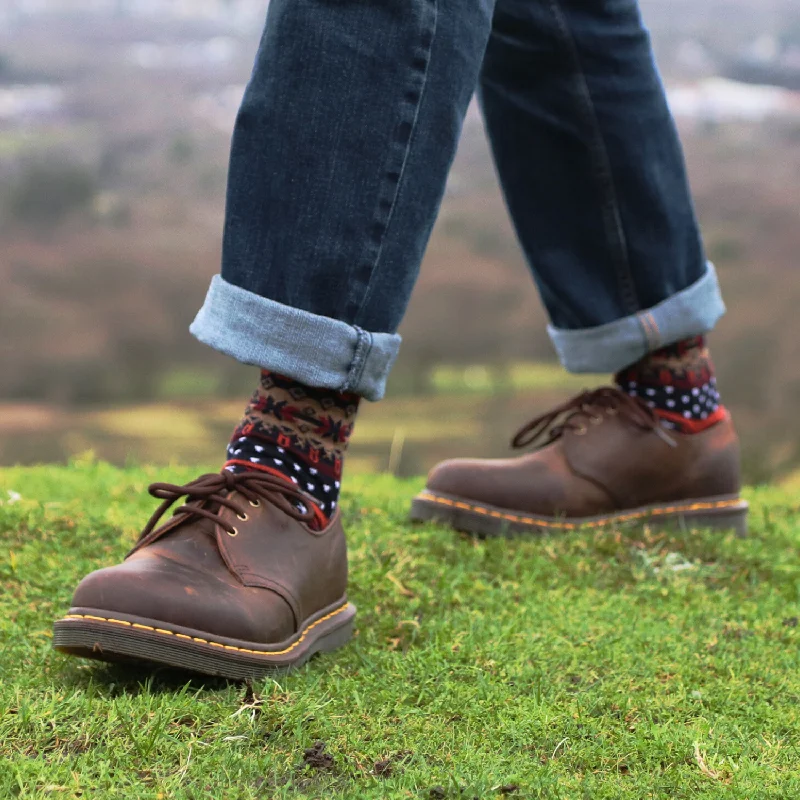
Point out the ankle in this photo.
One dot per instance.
(679, 384)
(299, 433)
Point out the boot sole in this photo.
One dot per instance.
(110, 636)
(728, 513)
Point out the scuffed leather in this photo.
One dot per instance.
(598, 468)
(259, 586)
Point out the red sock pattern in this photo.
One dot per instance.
(678, 383)
(299, 433)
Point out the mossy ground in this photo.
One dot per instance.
(611, 664)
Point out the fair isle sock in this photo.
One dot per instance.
(299, 433)
(678, 383)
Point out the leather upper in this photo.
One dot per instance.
(255, 579)
(603, 461)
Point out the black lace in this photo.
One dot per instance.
(589, 406)
(209, 494)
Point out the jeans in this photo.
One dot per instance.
(340, 156)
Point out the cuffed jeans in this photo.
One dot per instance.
(340, 156)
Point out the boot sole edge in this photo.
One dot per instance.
(718, 513)
(109, 636)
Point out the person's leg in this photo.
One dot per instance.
(339, 161)
(338, 165)
(593, 174)
(606, 218)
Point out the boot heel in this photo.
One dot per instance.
(335, 639)
(728, 520)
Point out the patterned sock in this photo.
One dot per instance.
(678, 383)
(299, 433)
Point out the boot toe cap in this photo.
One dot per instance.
(159, 590)
(455, 476)
(476, 480)
(529, 484)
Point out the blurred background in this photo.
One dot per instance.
(115, 118)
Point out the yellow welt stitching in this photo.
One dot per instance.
(289, 649)
(654, 512)
(100, 619)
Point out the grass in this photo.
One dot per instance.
(517, 376)
(612, 664)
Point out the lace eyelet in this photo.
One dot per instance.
(612, 412)
(232, 533)
(582, 431)
(255, 503)
(242, 517)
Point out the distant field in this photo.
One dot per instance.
(470, 411)
(606, 665)
(465, 415)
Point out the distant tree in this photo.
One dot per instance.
(182, 149)
(790, 33)
(47, 193)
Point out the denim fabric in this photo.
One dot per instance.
(340, 156)
(615, 345)
(318, 351)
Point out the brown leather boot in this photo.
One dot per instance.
(237, 583)
(604, 459)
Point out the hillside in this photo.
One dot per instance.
(612, 664)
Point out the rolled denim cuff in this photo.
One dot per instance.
(315, 350)
(612, 347)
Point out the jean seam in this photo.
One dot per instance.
(657, 337)
(313, 349)
(650, 329)
(360, 359)
(366, 274)
(612, 217)
(615, 345)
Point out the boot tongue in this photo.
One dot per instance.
(190, 525)
(191, 528)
